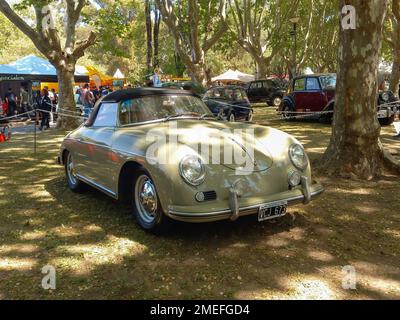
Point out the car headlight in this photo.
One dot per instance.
(385, 96)
(192, 170)
(298, 156)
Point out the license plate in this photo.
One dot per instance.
(272, 210)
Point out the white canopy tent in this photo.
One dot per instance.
(231, 75)
(385, 67)
(119, 75)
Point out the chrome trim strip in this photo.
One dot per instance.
(110, 148)
(97, 186)
(215, 214)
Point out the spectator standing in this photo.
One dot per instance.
(36, 104)
(156, 78)
(54, 101)
(11, 100)
(45, 105)
(24, 100)
(96, 95)
(4, 106)
(88, 100)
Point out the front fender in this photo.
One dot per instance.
(289, 101)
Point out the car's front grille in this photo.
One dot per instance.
(210, 195)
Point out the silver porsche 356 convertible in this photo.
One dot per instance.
(169, 157)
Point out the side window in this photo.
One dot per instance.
(106, 116)
(136, 110)
(228, 94)
(312, 84)
(209, 94)
(268, 84)
(300, 85)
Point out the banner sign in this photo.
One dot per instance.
(11, 78)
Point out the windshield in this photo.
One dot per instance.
(160, 107)
(328, 82)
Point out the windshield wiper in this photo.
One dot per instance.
(211, 115)
(173, 116)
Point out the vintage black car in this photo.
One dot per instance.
(316, 92)
(229, 102)
(270, 91)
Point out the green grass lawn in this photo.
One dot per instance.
(99, 252)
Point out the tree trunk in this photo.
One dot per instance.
(156, 32)
(66, 98)
(262, 68)
(197, 72)
(395, 78)
(354, 150)
(149, 37)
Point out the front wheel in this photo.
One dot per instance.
(287, 112)
(146, 204)
(231, 117)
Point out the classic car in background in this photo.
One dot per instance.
(270, 91)
(191, 86)
(110, 152)
(229, 103)
(316, 92)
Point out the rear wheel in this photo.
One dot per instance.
(327, 117)
(231, 117)
(74, 183)
(146, 204)
(386, 121)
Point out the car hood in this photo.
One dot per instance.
(237, 146)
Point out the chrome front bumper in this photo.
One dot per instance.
(304, 195)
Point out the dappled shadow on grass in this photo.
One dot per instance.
(99, 251)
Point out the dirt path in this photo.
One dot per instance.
(99, 252)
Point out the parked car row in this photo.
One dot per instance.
(316, 93)
(313, 93)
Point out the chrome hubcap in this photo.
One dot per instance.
(232, 118)
(71, 170)
(146, 199)
(277, 102)
(250, 116)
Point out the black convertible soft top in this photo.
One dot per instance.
(122, 95)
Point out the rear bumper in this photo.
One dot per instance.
(304, 195)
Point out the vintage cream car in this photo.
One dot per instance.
(164, 152)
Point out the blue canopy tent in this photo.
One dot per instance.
(27, 70)
(35, 68)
